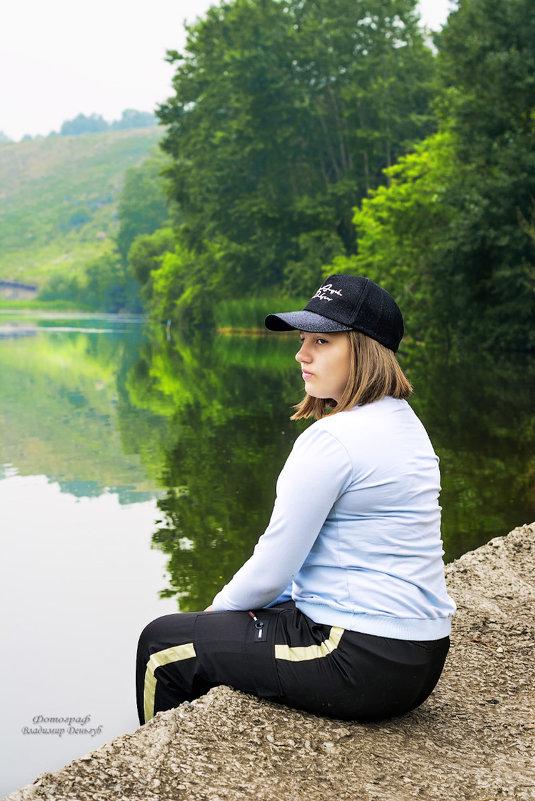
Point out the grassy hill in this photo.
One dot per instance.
(58, 199)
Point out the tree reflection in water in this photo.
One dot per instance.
(227, 401)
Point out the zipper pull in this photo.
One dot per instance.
(260, 626)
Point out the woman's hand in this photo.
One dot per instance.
(209, 609)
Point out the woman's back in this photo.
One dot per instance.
(378, 553)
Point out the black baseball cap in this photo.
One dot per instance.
(345, 303)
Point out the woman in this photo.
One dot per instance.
(342, 609)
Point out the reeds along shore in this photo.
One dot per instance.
(248, 314)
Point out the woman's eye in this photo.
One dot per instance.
(321, 341)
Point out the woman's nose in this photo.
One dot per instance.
(302, 355)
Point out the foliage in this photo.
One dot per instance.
(249, 313)
(400, 231)
(284, 115)
(112, 281)
(104, 284)
(14, 305)
(293, 142)
(170, 295)
(130, 118)
(95, 123)
(81, 124)
(145, 257)
(487, 67)
(452, 235)
(142, 207)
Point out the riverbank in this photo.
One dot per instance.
(472, 740)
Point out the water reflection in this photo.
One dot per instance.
(227, 438)
(58, 407)
(478, 408)
(97, 415)
(227, 401)
(204, 425)
(77, 512)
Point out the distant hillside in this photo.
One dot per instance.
(58, 199)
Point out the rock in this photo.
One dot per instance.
(473, 739)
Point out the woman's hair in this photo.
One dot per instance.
(374, 372)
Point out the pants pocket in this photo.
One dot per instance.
(260, 648)
(234, 649)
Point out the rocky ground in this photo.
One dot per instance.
(473, 740)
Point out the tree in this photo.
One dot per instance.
(401, 230)
(143, 206)
(487, 68)
(145, 257)
(103, 285)
(285, 113)
(81, 124)
(452, 234)
(107, 286)
(130, 118)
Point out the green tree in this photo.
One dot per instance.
(402, 236)
(145, 257)
(452, 235)
(142, 205)
(104, 285)
(107, 285)
(284, 115)
(81, 124)
(487, 69)
(130, 118)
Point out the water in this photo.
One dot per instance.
(79, 577)
(134, 467)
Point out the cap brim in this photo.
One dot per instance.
(303, 321)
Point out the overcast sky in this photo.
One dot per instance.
(60, 58)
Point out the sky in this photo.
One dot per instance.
(61, 58)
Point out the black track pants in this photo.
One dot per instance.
(286, 657)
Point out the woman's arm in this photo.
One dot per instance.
(314, 476)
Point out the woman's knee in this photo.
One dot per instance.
(165, 631)
(150, 634)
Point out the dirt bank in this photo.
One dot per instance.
(472, 740)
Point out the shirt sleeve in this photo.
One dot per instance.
(313, 478)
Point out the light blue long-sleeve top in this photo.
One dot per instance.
(354, 537)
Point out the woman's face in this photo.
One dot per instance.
(324, 360)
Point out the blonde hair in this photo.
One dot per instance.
(374, 373)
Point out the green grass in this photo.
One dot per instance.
(247, 314)
(58, 199)
(39, 305)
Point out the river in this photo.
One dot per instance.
(137, 470)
